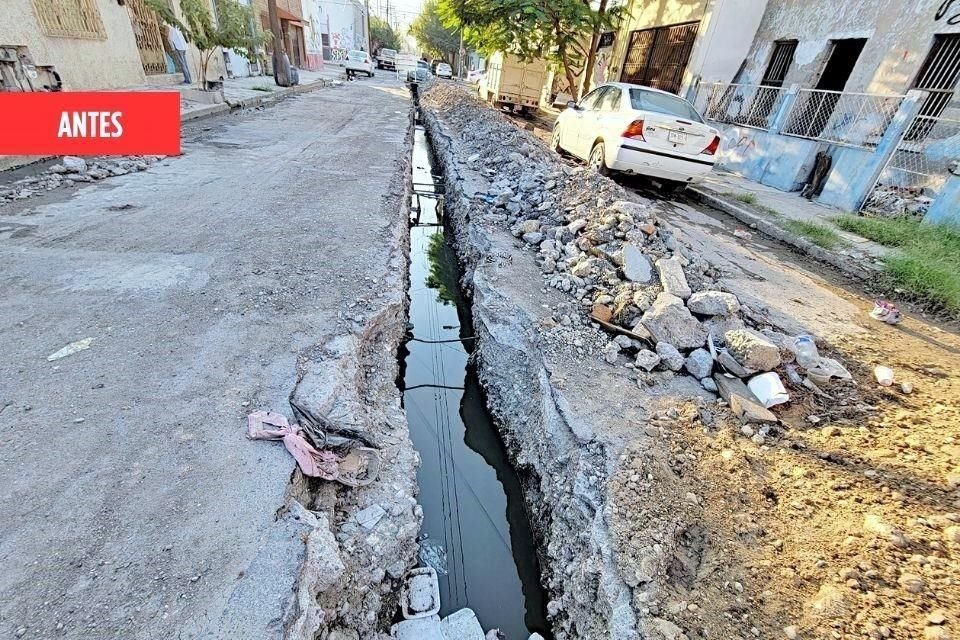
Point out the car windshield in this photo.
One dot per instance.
(388, 52)
(643, 100)
(359, 55)
(422, 64)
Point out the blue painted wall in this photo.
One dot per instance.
(851, 177)
(782, 162)
(946, 207)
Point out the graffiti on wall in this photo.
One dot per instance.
(950, 10)
(340, 40)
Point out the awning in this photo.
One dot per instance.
(286, 15)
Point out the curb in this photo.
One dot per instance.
(846, 264)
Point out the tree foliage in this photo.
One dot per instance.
(564, 31)
(232, 28)
(433, 36)
(383, 35)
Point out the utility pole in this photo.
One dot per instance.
(369, 50)
(281, 64)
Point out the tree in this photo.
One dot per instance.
(433, 37)
(564, 31)
(231, 29)
(383, 35)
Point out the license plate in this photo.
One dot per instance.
(676, 137)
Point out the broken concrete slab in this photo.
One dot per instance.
(669, 320)
(419, 629)
(636, 266)
(752, 349)
(713, 303)
(670, 356)
(699, 363)
(742, 401)
(730, 363)
(462, 625)
(672, 278)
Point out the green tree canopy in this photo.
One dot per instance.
(383, 35)
(564, 31)
(435, 38)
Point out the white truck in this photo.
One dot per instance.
(511, 82)
(387, 59)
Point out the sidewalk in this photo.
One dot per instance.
(792, 219)
(238, 93)
(250, 92)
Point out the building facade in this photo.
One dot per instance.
(336, 27)
(96, 44)
(673, 44)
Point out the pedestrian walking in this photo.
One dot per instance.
(179, 45)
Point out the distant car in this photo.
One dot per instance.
(420, 74)
(639, 130)
(359, 62)
(387, 59)
(475, 76)
(444, 71)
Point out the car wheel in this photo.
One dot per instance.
(555, 140)
(598, 159)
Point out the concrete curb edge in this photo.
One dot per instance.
(845, 264)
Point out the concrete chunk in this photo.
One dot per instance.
(752, 350)
(462, 625)
(742, 401)
(672, 277)
(713, 303)
(636, 266)
(699, 363)
(668, 320)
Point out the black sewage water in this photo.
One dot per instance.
(475, 528)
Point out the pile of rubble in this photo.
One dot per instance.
(659, 302)
(72, 170)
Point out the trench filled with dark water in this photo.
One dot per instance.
(475, 532)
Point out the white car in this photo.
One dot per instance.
(639, 130)
(359, 62)
(444, 71)
(475, 76)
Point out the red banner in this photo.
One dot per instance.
(80, 123)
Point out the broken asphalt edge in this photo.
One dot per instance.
(846, 264)
(562, 464)
(312, 577)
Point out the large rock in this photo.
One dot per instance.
(636, 267)
(75, 164)
(669, 320)
(669, 356)
(672, 277)
(699, 363)
(647, 359)
(752, 350)
(713, 303)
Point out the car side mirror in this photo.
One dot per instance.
(572, 105)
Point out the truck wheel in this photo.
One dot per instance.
(598, 159)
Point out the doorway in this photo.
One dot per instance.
(812, 117)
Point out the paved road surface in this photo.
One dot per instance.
(130, 503)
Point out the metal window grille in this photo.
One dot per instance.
(658, 57)
(856, 119)
(917, 170)
(70, 18)
(780, 61)
(938, 77)
(745, 104)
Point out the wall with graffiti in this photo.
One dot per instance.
(336, 27)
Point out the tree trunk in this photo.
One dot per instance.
(594, 41)
(571, 76)
(281, 67)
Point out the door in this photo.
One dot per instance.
(585, 131)
(609, 121)
(816, 113)
(658, 57)
(149, 35)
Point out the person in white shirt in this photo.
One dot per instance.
(179, 45)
